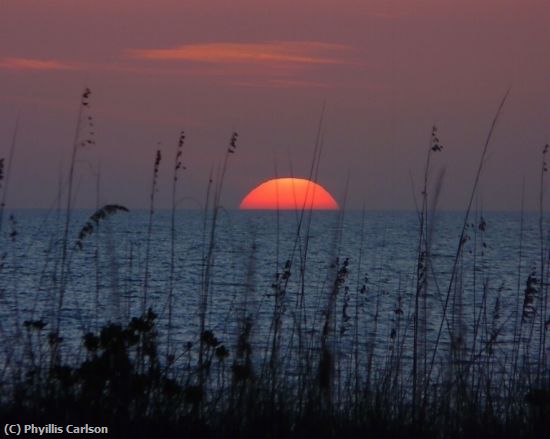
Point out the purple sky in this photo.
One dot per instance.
(387, 70)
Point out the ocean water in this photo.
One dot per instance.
(371, 302)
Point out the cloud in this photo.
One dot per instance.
(280, 83)
(34, 64)
(297, 52)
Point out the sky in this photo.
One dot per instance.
(385, 71)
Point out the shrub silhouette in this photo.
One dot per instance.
(120, 378)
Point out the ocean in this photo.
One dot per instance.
(349, 279)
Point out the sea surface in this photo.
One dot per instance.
(358, 269)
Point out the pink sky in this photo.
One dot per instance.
(386, 69)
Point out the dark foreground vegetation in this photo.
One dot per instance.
(123, 384)
(340, 376)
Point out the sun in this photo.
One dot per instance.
(288, 194)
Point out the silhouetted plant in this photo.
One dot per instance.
(95, 218)
(156, 165)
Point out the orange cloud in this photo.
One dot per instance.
(301, 52)
(34, 64)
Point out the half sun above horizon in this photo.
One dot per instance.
(288, 194)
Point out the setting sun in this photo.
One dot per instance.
(288, 194)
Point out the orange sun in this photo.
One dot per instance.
(288, 194)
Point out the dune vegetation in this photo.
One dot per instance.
(422, 377)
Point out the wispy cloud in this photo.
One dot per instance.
(298, 52)
(280, 83)
(34, 64)
(31, 64)
(270, 64)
